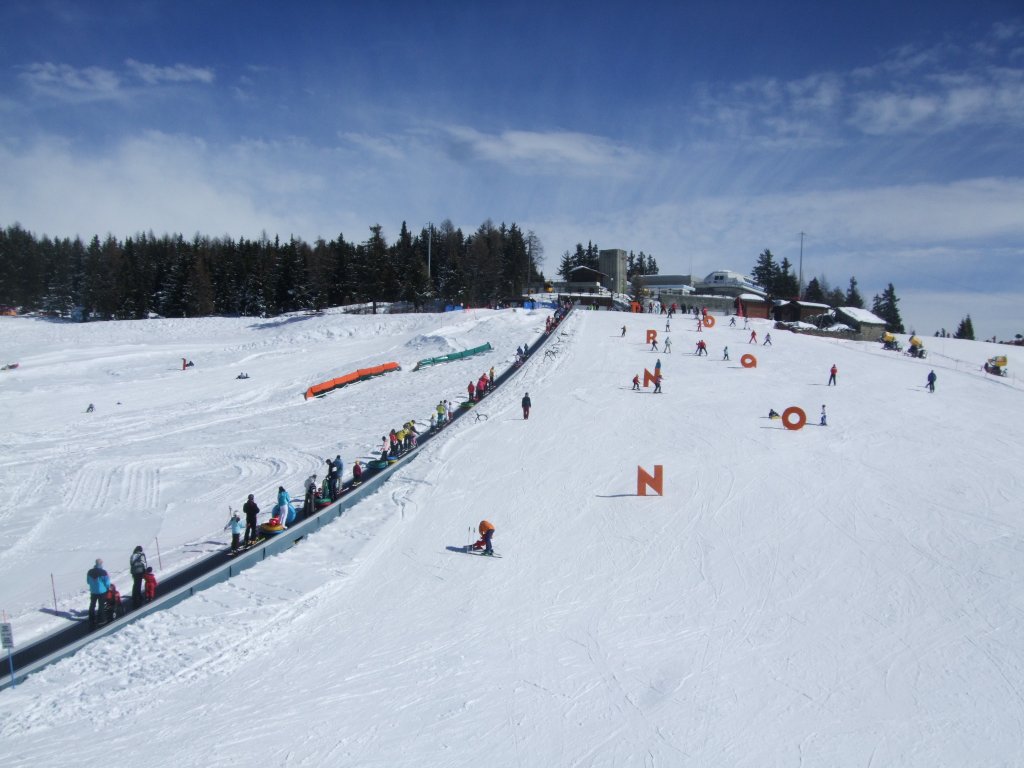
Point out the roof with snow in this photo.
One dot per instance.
(812, 304)
(861, 315)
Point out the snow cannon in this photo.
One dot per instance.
(996, 365)
(890, 342)
(916, 348)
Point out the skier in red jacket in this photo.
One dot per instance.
(150, 579)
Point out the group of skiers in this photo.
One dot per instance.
(398, 441)
(105, 600)
(483, 384)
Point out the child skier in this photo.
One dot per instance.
(150, 579)
(235, 524)
(636, 382)
(486, 534)
(114, 606)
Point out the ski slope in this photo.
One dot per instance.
(846, 595)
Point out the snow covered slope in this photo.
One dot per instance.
(840, 595)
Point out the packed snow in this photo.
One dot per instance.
(846, 595)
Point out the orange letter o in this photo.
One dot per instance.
(748, 361)
(709, 321)
(801, 417)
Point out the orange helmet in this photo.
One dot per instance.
(485, 526)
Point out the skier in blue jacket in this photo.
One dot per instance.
(99, 582)
(285, 511)
(236, 526)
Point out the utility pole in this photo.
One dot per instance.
(801, 278)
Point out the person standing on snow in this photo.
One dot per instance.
(623, 330)
(99, 582)
(931, 381)
(285, 510)
(767, 340)
(471, 390)
(725, 353)
(486, 534)
(251, 510)
(636, 382)
(832, 376)
(753, 337)
(150, 579)
(235, 524)
(526, 406)
(138, 565)
(824, 418)
(307, 503)
(668, 345)
(657, 383)
(654, 345)
(339, 470)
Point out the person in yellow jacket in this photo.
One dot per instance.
(486, 534)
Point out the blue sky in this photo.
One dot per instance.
(701, 133)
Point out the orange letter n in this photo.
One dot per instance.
(644, 480)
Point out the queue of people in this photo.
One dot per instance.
(104, 599)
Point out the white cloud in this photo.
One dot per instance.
(154, 181)
(914, 89)
(546, 151)
(179, 73)
(388, 147)
(72, 84)
(88, 84)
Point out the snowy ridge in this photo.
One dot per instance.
(841, 595)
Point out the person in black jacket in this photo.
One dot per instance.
(138, 565)
(251, 509)
(526, 405)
